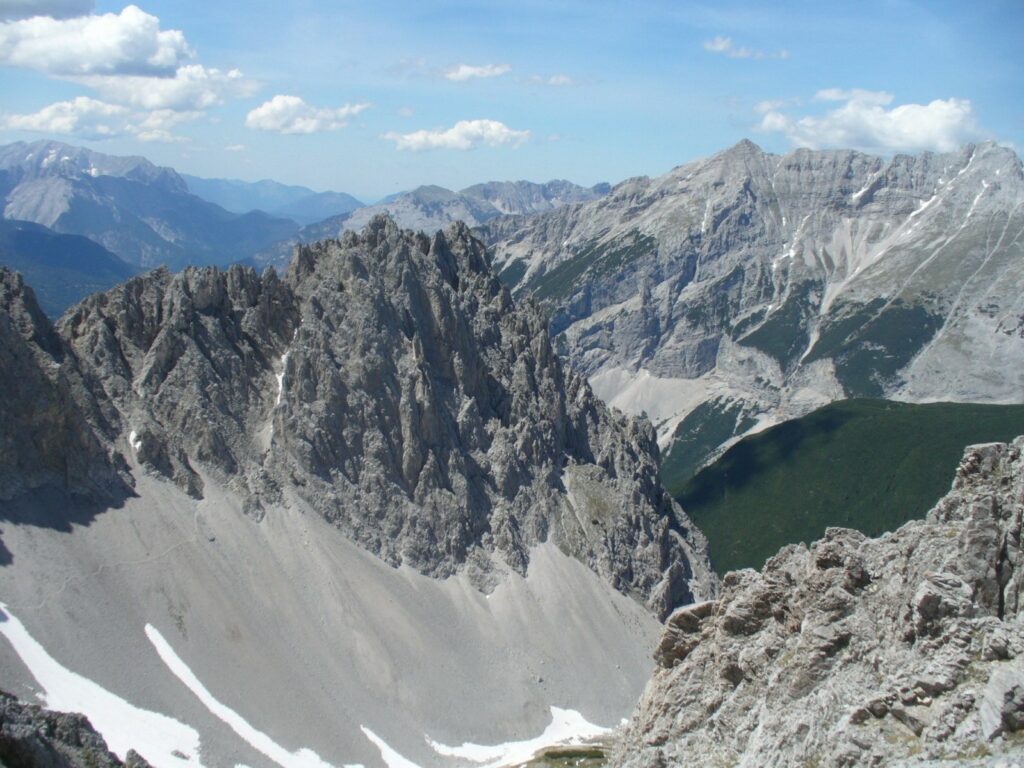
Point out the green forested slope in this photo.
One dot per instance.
(865, 464)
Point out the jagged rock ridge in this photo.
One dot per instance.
(854, 651)
(390, 382)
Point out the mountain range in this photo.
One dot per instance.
(740, 290)
(300, 204)
(430, 208)
(142, 213)
(380, 489)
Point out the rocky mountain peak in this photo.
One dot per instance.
(748, 286)
(19, 306)
(390, 382)
(744, 148)
(51, 425)
(484, 443)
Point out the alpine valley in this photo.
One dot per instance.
(368, 505)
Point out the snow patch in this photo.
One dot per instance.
(280, 377)
(860, 193)
(390, 757)
(154, 736)
(969, 161)
(303, 758)
(568, 728)
(135, 441)
(707, 216)
(921, 208)
(787, 255)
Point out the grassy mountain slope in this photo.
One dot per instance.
(865, 464)
(63, 269)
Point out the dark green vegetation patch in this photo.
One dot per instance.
(62, 269)
(591, 756)
(783, 335)
(874, 342)
(697, 436)
(513, 273)
(865, 464)
(595, 260)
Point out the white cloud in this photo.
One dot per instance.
(464, 135)
(865, 121)
(84, 117)
(192, 87)
(88, 118)
(553, 80)
(770, 105)
(464, 72)
(157, 125)
(58, 9)
(881, 98)
(126, 58)
(127, 43)
(724, 45)
(290, 114)
(406, 111)
(235, 148)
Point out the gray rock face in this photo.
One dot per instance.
(391, 382)
(518, 198)
(33, 737)
(51, 426)
(141, 212)
(898, 650)
(773, 285)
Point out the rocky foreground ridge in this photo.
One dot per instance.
(906, 649)
(388, 380)
(33, 737)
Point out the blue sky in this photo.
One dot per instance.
(373, 98)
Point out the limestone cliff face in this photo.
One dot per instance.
(856, 651)
(415, 387)
(390, 381)
(762, 286)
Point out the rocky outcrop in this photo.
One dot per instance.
(854, 651)
(389, 381)
(33, 737)
(416, 386)
(188, 361)
(51, 426)
(770, 285)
